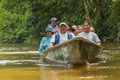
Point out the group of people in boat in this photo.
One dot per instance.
(55, 34)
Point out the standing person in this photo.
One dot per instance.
(44, 44)
(61, 36)
(53, 25)
(88, 34)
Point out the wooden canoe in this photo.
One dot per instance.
(75, 51)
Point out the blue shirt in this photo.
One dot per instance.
(44, 44)
(53, 27)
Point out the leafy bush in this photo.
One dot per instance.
(25, 20)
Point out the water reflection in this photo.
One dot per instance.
(108, 69)
(81, 73)
(30, 67)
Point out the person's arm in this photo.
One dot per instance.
(99, 43)
(55, 30)
(41, 45)
(51, 44)
(52, 41)
(97, 40)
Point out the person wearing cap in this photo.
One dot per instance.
(53, 25)
(44, 44)
(61, 36)
(87, 34)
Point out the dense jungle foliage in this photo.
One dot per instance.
(24, 21)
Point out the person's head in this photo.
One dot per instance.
(80, 28)
(48, 32)
(86, 26)
(92, 29)
(70, 29)
(75, 27)
(54, 21)
(63, 27)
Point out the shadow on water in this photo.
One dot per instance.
(25, 64)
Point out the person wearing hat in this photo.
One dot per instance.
(61, 36)
(53, 25)
(44, 44)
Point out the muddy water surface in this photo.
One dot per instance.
(19, 66)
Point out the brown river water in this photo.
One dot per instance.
(15, 65)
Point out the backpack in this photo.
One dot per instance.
(57, 37)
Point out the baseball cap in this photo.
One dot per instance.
(53, 19)
(48, 29)
(63, 23)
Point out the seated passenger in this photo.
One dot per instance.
(44, 44)
(88, 34)
(92, 29)
(61, 36)
(53, 25)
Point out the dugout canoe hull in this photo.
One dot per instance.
(75, 51)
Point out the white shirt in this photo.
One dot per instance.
(63, 37)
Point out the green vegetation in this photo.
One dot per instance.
(24, 21)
